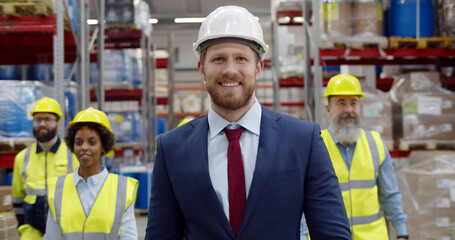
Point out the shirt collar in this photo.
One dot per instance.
(99, 177)
(250, 121)
(53, 149)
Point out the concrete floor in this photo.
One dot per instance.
(141, 222)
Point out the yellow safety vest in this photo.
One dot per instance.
(358, 184)
(30, 175)
(105, 217)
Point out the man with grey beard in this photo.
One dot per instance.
(363, 165)
(48, 157)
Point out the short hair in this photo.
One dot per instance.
(252, 45)
(107, 137)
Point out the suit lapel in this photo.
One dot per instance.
(269, 140)
(197, 147)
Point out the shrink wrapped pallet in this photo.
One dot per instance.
(368, 17)
(337, 17)
(427, 185)
(8, 226)
(423, 109)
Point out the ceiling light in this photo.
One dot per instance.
(298, 19)
(189, 20)
(153, 20)
(92, 21)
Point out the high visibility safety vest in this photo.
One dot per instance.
(358, 184)
(105, 217)
(31, 172)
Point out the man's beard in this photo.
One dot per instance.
(44, 137)
(228, 103)
(345, 133)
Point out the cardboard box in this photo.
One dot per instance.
(377, 113)
(427, 186)
(6, 199)
(8, 226)
(422, 109)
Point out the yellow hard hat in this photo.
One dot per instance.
(47, 105)
(343, 85)
(92, 115)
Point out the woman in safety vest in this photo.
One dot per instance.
(91, 203)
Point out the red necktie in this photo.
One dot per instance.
(236, 179)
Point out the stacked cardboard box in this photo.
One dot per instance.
(424, 110)
(8, 222)
(8, 226)
(6, 199)
(377, 114)
(427, 185)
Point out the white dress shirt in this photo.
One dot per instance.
(88, 191)
(218, 145)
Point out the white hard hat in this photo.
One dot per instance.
(231, 22)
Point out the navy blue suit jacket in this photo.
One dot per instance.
(293, 174)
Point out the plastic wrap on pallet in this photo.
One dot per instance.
(135, 56)
(45, 72)
(8, 226)
(125, 120)
(337, 18)
(377, 113)
(352, 17)
(368, 18)
(16, 101)
(9, 72)
(129, 12)
(427, 184)
(422, 109)
(448, 17)
(117, 69)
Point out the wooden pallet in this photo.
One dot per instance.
(141, 212)
(15, 145)
(125, 146)
(25, 8)
(420, 43)
(355, 42)
(434, 144)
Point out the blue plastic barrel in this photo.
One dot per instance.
(403, 18)
(9, 72)
(160, 126)
(142, 199)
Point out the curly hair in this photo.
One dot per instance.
(107, 137)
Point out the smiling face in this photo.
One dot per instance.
(88, 148)
(230, 71)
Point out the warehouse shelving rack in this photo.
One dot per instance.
(42, 39)
(439, 57)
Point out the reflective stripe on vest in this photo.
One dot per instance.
(119, 209)
(358, 184)
(41, 192)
